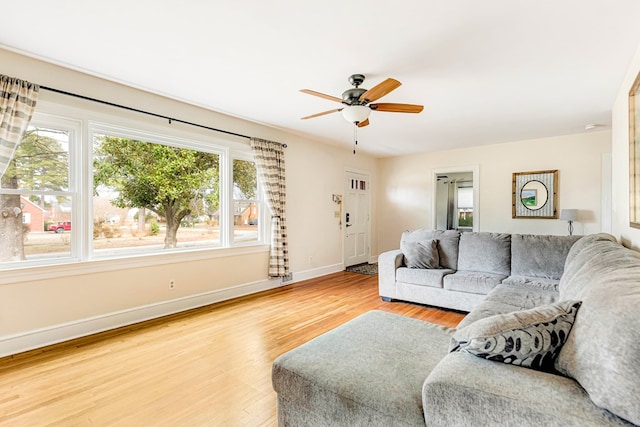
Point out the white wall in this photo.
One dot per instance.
(630, 237)
(65, 301)
(405, 194)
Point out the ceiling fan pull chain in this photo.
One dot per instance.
(355, 136)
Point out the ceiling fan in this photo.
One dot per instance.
(357, 101)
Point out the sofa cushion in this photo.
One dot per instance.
(422, 276)
(585, 242)
(464, 390)
(529, 338)
(506, 299)
(523, 296)
(488, 252)
(541, 282)
(475, 282)
(603, 350)
(540, 255)
(448, 248)
(582, 264)
(447, 244)
(368, 371)
(421, 253)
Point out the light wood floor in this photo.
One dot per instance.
(206, 367)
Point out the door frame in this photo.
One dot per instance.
(475, 171)
(345, 188)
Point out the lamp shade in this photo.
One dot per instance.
(569, 214)
(356, 113)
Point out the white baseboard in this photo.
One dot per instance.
(25, 341)
(30, 340)
(316, 272)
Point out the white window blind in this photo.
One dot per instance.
(465, 198)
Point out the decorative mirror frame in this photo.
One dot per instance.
(547, 211)
(634, 154)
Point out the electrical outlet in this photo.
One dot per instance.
(172, 284)
(310, 260)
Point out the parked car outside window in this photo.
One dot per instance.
(60, 227)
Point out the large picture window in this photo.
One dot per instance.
(124, 192)
(152, 195)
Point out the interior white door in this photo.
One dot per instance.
(356, 219)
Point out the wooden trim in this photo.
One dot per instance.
(553, 197)
(634, 155)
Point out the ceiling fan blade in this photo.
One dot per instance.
(396, 108)
(321, 95)
(380, 90)
(321, 114)
(363, 124)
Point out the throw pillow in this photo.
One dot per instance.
(421, 254)
(530, 338)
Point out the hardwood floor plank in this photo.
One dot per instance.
(202, 367)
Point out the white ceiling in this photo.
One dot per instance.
(486, 71)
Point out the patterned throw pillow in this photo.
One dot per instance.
(530, 338)
(421, 254)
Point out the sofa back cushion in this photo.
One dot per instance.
(602, 352)
(571, 267)
(447, 244)
(576, 278)
(487, 252)
(540, 256)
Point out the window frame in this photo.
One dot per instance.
(153, 138)
(74, 183)
(460, 208)
(259, 200)
(81, 125)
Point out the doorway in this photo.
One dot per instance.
(356, 219)
(455, 200)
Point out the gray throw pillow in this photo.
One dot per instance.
(421, 254)
(529, 338)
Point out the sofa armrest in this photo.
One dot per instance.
(467, 390)
(388, 263)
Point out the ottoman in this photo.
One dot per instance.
(367, 372)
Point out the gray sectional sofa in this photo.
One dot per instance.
(469, 265)
(382, 369)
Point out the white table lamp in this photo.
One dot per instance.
(569, 215)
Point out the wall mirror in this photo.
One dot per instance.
(535, 194)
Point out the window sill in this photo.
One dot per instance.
(26, 274)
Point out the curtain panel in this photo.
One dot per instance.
(269, 158)
(17, 102)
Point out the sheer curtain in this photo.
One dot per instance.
(269, 158)
(17, 101)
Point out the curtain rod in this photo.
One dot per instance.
(124, 107)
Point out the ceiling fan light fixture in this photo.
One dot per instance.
(356, 113)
